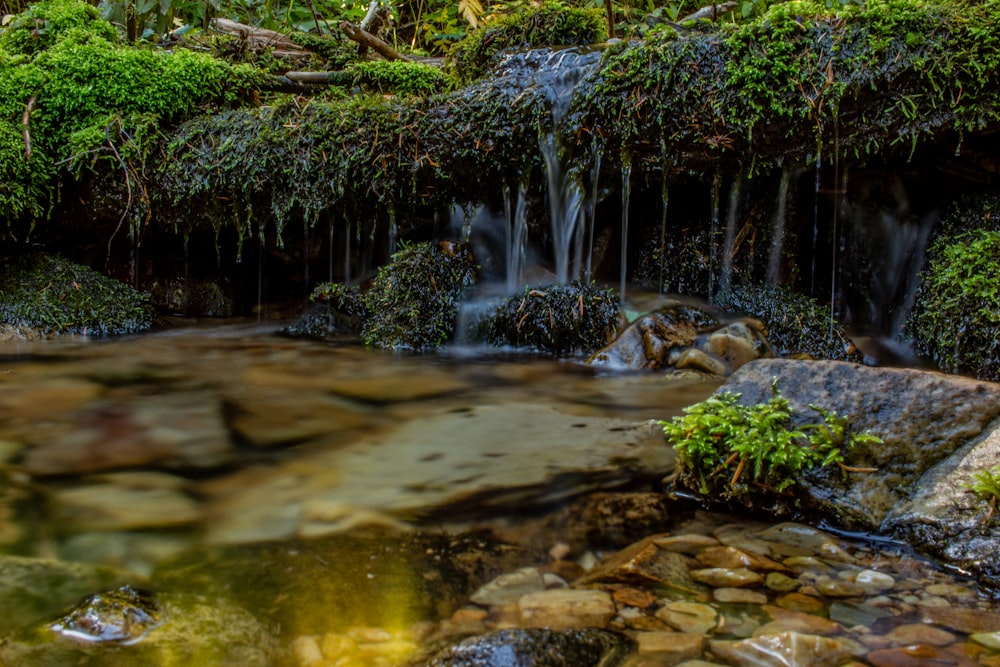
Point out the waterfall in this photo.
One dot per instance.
(665, 193)
(729, 240)
(714, 230)
(626, 195)
(778, 230)
(516, 215)
(595, 174)
(558, 76)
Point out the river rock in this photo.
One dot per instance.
(922, 418)
(454, 463)
(537, 647)
(173, 629)
(508, 588)
(565, 609)
(647, 342)
(784, 649)
(643, 564)
(670, 647)
(689, 617)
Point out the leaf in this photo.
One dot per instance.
(471, 11)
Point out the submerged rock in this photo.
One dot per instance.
(120, 616)
(685, 337)
(536, 647)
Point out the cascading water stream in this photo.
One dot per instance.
(729, 240)
(595, 174)
(778, 230)
(712, 249)
(516, 214)
(626, 196)
(665, 186)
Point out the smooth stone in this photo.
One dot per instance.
(806, 538)
(873, 583)
(781, 583)
(741, 626)
(698, 663)
(806, 564)
(695, 359)
(918, 655)
(739, 596)
(990, 640)
(785, 649)
(954, 591)
(690, 617)
(537, 647)
(736, 535)
(800, 602)
(634, 597)
(814, 625)
(856, 614)
(920, 633)
(673, 646)
(968, 621)
(112, 507)
(718, 577)
(565, 609)
(731, 558)
(643, 564)
(739, 343)
(836, 588)
(686, 544)
(508, 588)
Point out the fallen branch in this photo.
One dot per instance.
(261, 37)
(365, 38)
(25, 122)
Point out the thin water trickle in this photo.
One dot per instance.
(815, 237)
(729, 239)
(665, 193)
(595, 175)
(517, 235)
(713, 232)
(626, 196)
(347, 251)
(778, 230)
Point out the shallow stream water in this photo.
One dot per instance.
(217, 448)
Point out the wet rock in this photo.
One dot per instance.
(739, 577)
(670, 647)
(643, 564)
(32, 589)
(536, 647)
(873, 583)
(125, 630)
(565, 609)
(125, 501)
(785, 649)
(853, 614)
(739, 343)
(274, 418)
(508, 588)
(699, 360)
(685, 544)
(739, 596)
(191, 298)
(174, 431)
(965, 620)
(922, 418)
(689, 617)
(782, 583)
(647, 342)
(455, 463)
(731, 557)
(329, 584)
(919, 633)
(918, 655)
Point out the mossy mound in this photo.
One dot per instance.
(550, 24)
(796, 324)
(559, 319)
(413, 303)
(956, 315)
(400, 77)
(52, 295)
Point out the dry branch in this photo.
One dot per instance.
(711, 12)
(25, 123)
(261, 37)
(365, 38)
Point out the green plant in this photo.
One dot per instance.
(987, 487)
(730, 449)
(399, 77)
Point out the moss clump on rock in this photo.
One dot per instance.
(55, 296)
(559, 319)
(550, 24)
(795, 323)
(413, 303)
(399, 77)
(956, 315)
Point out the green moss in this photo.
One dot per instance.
(413, 303)
(400, 77)
(796, 324)
(956, 317)
(45, 23)
(559, 319)
(52, 295)
(550, 24)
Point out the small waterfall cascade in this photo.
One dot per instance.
(778, 230)
(558, 77)
(665, 194)
(595, 174)
(729, 239)
(626, 197)
(516, 214)
(713, 250)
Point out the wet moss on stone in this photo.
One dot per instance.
(399, 77)
(550, 24)
(956, 315)
(413, 302)
(559, 319)
(796, 324)
(53, 295)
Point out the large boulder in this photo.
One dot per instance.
(937, 432)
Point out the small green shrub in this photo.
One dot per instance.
(728, 450)
(987, 488)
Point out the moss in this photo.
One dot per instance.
(400, 77)
(956, 316)
(53, 295)
(550, 24)
(559, 319)
(45, 23)
(795, 323)
(413, 303)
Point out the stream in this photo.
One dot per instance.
(278, 482)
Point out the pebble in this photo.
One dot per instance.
(723, 577)
(873, 583)
(920, 633)
(732, 558)
(739, 596)
(783, 650)
(565, 609)
(508, 588)
(781, 583)
(690, 617)
(837, 588)
(800, 602)
(673, 646)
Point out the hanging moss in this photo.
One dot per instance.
(796, 324)
(55, 296)
(956, 316)
(559, 319)
(550, 24)
(413, 303)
